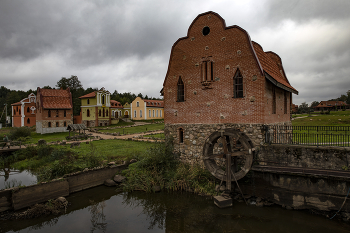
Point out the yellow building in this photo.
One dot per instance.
(96, 108)
(143, 109)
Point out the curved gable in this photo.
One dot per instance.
(216, 26)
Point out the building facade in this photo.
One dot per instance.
(96, 108)
(217, 79)
(331, 105)
(54, 110)
(24, 112)
(144, 109)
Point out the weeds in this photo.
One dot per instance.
(13, 183)
(159, 166)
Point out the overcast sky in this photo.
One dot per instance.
(125, 45)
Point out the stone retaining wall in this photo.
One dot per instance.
(334, 158)
(17, 198)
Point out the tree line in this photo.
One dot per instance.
(9, 97)
(304, 107)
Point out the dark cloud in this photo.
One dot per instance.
(125, 44)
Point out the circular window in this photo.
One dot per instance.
(206, 30)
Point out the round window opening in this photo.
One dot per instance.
(206, 30)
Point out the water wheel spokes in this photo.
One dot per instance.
(228, 155)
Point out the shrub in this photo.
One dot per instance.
(19, 132)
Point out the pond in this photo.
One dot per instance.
(102, 209)
(11, 177)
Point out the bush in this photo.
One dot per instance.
(19, 132)
(161, 167)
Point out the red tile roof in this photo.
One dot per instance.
(55, 98)
(154, 103)
(90, 95)
(272, 64)
(116, 104)
(18, 103)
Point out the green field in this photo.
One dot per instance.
(158, 135)
(135, 129)
(339, 118)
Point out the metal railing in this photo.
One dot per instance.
(308, 135)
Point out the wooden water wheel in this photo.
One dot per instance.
(228, 155)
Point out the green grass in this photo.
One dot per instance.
(50, 137)
(158, 135)
(149, 121)
(136, 129)
(120, 123)
(50, 162)
(317, 119)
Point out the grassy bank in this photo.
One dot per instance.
(159, 166)
(50, 162)
(336, 118)
(136, 129)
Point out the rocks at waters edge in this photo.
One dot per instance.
(110, 183)
(119, 178)
(62, 200)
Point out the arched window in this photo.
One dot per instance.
(103, 99)
(107, 112)
(135, 113)
(99, 112)
(49, 115)
(181, 135)
(88, 113)
(28, 121)
(28, 110)
(157, 113)
(104, 113)
(153, 113)
(88, 101)
(140, 113)
(149, 113)
(238, 85)
(180, 90)
(160, 113)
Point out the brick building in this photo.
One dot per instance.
(218, 78)
(23, 112)
(54, 110)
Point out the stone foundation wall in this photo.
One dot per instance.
(103, 122)
(91, 123)
(194, 136)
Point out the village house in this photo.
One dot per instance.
(331, 105)
(126, 110)
(24, 112)
(54, 110)
(96, 108)
(144, 109)
(116, 109)
(218, 78)
(294, 108)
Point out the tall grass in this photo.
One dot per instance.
(159, 166)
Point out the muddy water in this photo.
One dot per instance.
(101, 209)
(11, 177)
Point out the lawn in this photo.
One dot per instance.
(158, 135)
(339, 118)
(136, 129)
(120, 123)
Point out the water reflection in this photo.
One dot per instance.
(101, 209)
(11, 177)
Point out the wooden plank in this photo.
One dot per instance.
(92, 178)
(5, 200)
(28, 196)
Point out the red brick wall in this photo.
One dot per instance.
(230, 50)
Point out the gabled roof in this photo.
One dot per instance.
(269, 63)
(55, 98)
(90, 95)
(154, 103)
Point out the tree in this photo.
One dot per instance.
(75, 88)
(303, 108)
(314, 104)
